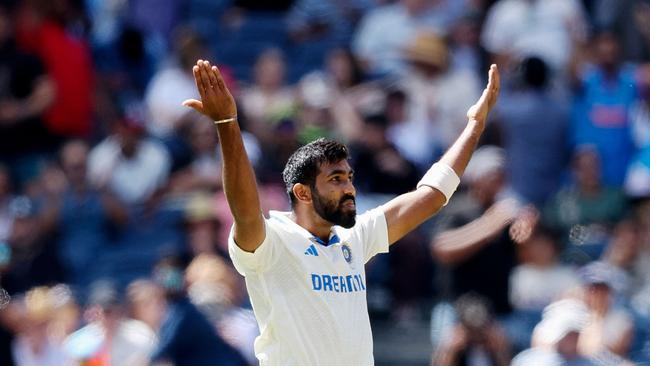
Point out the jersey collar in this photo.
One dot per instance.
(284, 216)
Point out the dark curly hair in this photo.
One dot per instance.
(304, 164)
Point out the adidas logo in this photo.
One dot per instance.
(311, 251)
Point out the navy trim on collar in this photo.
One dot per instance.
(334, 239)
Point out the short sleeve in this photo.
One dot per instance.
(373, 232)
(263, 257)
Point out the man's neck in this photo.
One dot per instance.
(312, 222)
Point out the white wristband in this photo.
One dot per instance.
(441, 177)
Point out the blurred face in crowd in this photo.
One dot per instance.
(269, 70)
(147, 303)
(485, 188)
(607, 50)
(340, 64)
(586, 167)
(333, 194)
(74, 156)
(129, 136)
(203, 236)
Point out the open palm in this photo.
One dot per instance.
(216, 101)
(479, 111)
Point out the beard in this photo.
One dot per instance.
(333, 211)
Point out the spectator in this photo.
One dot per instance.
(637, 263)
(585, 210)
(125, 66)
(477, 338)
(268, 99)
(41, 30)
(545, 28)
(204, 170)
(186, 336)
(146, 303)
(110, 337)
(313, 20)
(128, 163)
(630, 20)
(610, 328)
(537, 156)
(30, 260)
(379, 164)
(380, 51)
(438, 95)
(215, 289)
(34, 344)
(202, 225)
(535, 282)
(464, 44)
(26, 92)
(601, 116)
(557, 336)
(173, 83)
(81, 215)
(410, 137)
(472, 239)
(540, 279)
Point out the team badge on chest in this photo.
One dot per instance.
(347, 253)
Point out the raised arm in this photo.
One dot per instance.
(238, 177)
(405, 212)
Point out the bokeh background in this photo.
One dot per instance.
(113, 223)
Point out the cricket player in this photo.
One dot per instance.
(304, 269)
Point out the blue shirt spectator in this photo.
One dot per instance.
(601, 110)
(534, 134)
(187, 338)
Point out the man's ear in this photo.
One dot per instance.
(302, 192)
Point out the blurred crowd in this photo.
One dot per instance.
(113, 223)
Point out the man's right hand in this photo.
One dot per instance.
(216, 101)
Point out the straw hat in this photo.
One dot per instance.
(428, 48)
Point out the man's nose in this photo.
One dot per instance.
(349, 188)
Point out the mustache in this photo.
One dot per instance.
(347, 197)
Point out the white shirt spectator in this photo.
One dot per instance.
(131, 345)
(543, 28)
(49, 354)
(441, 102)
(131, 179)
(384, 32)
(533, 287)
(164, 97)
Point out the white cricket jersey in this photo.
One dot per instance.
(309, 297)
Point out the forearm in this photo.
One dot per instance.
(460, 152)
(456, 245)
(40, 99)
(240, 188)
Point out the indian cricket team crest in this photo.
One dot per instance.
(347, 253)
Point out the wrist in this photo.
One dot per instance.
(225, 120)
